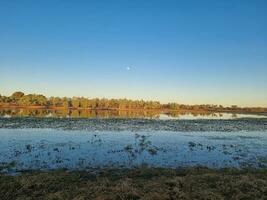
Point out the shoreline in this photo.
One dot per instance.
(140, 183)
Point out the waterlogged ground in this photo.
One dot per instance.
(136, 125)
(50, 143)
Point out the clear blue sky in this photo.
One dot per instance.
(184, 51)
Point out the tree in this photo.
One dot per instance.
(33, 99)
(84, 102)
(66, 102)
(75, 102)
(55, 101)
(16, 96)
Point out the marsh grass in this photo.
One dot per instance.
(140, 183)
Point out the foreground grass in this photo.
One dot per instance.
(142, 183)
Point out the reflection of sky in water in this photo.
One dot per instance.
(212, 116)
(48, 148)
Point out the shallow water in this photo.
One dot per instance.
(114, 124)
(24, 149)
(125, 114)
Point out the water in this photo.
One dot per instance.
(25, 149)
(151, 125)
(43, 139)
(147, 114)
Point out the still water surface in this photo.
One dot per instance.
(148, 114)
(86, 139)
(24, 149)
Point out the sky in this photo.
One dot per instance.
(192, 52)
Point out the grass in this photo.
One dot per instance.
(140, 183)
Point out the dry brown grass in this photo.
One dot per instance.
(142, 183)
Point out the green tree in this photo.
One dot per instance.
(75, 102)
(66, 102)
(16, 96)
(84, 102)
(33, 99)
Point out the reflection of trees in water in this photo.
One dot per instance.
(112, 114)
(85, 113)
(79, 113)
(195, 114)
(234, 115)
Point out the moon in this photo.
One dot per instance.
(128, 68)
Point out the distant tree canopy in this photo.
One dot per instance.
(33, 99)
(17, 95)
(20, 99)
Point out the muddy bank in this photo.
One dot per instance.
(140, 183)
(246, 124)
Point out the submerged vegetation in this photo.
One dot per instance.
(140, 183)
(119, 124)
(19, 99)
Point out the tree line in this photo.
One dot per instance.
(21, 99)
